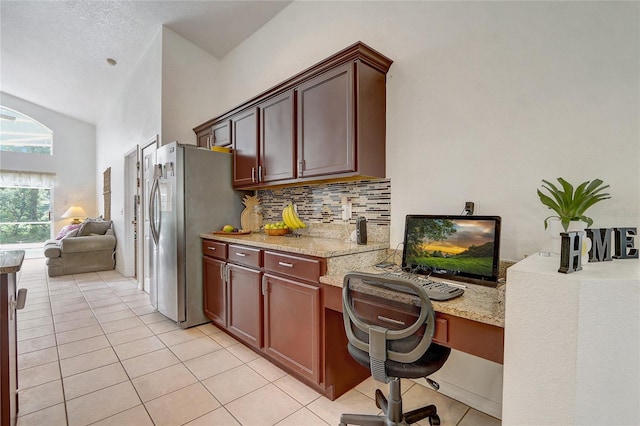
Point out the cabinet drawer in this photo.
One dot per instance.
(383, 312)
(214, 249)
(244, 255)
(293, 266)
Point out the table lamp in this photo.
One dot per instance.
(75, 213)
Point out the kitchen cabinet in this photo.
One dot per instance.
(277, 147)
(245, 148)
(244, 304)
(10, 301)
(292, 312)
(341, 123)
(217, 135)
(325, 117)
(214, 281)
(324, 123)
(221, 134)
(203, 138)
(215, 292)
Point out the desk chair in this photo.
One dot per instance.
(389, 347)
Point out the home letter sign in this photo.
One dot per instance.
(571, 252)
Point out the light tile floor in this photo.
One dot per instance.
(92, 350)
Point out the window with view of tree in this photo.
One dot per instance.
(21, 133)
(24, 215)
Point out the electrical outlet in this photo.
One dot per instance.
(468, 207)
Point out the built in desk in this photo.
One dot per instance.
(472, 323)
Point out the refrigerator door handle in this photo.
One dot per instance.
(155, 190)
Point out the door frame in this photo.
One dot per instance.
(131, 194)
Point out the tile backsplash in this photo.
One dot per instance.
(320, 206)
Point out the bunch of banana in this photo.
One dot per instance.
(290, 217)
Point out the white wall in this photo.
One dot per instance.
(73, 160)
(483, 100)
(189, 82)
(170, 92)
(133, 118)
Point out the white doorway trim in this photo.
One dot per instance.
(131, 194)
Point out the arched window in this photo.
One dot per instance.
(21, 133)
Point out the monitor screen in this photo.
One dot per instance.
(452, 246)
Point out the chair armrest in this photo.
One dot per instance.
(87, 243)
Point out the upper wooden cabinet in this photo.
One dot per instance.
(325, 123)
(245, 148)
(216, 135)
(325, 114)
(276, 138)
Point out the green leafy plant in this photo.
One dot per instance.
(569, 204)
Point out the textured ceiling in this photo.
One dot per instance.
(53, 53)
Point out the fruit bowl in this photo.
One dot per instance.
(276, 232)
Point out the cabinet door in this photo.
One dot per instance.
(245, 148)
(325, 119)
(244, 304)
(292, 324)
(277, 148)
(221, 134)
(204, 138)
(215, 294)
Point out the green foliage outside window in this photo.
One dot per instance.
(24, 215)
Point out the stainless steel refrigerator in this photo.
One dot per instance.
(191, 194)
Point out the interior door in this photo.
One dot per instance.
(147, 247)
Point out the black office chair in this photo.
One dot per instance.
(392, 349)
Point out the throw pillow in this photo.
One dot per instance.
(94, 227)
(71, 234)
(67, 230)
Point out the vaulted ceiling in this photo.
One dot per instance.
(54, 53)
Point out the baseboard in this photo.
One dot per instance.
(466, 397)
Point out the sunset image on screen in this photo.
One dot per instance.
(452, 246)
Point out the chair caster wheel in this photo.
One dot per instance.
(434, 420)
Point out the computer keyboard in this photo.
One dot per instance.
(437, 291)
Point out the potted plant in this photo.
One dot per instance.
(571, 205)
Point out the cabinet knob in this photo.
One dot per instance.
(260, 177)
(240, 254)
(253, 174)
(285, 264)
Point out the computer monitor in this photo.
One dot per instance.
(465, 247)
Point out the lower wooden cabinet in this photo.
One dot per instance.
(215, 291)
(244, 304)
(292, 324)
(274, 303)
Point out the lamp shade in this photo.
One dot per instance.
(75, 213)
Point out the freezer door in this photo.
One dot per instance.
(170, 294)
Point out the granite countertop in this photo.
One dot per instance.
(311, 246)
(11, 261)
(478, 303)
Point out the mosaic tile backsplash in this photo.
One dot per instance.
(320, 206)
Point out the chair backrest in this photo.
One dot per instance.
(381, 337)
